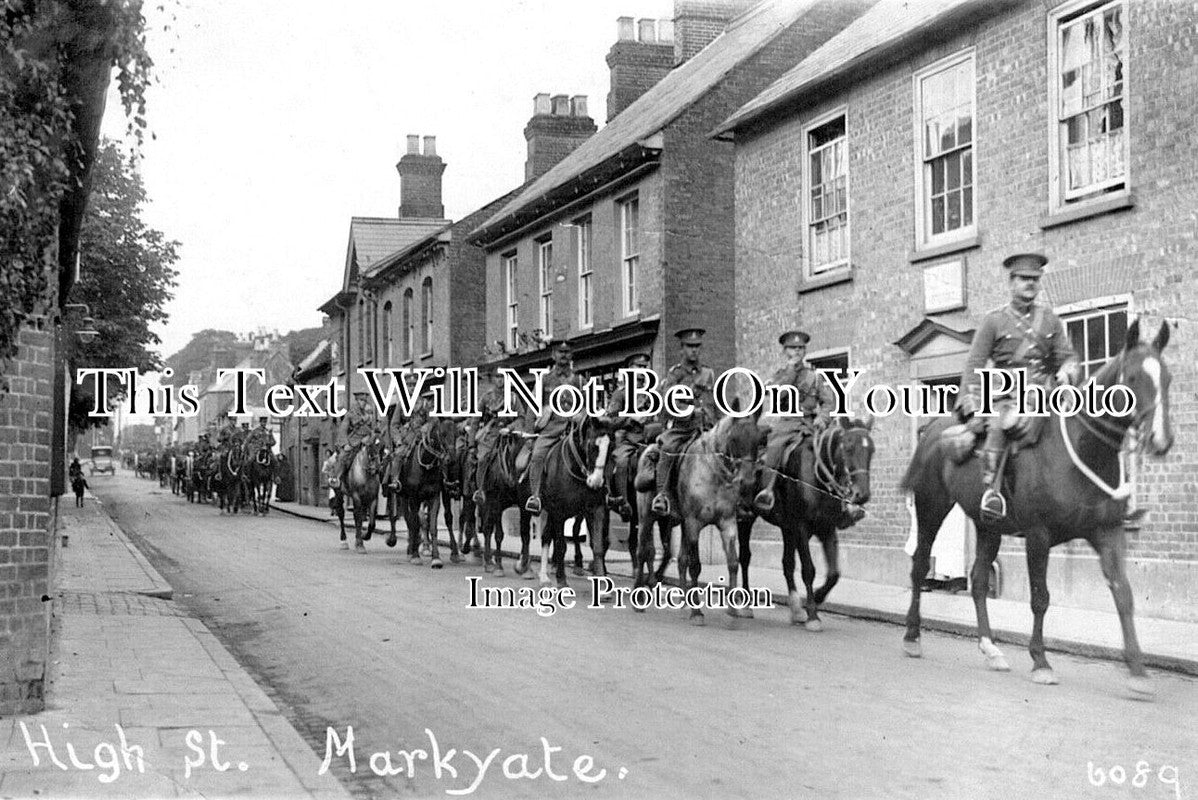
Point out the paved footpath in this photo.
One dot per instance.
(1167, 644)
(139, 690)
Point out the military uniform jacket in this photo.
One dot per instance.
(701, 380)
(260, 437)
(1034, 340)
(555, 425)
(816, 398)
(360, 426)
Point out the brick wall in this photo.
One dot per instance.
(698, 22)
(635, 67)
(1147, 251)
(25, 522)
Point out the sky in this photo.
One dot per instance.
(274, 122)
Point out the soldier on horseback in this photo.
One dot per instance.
(628, 434)
(229, 435)
(1020, 335)
(701, 379)
(259, 438)
(361, 426)
(815, 400)
(549, 426)
(404, 434)
(486, 435)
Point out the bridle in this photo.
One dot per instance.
(831, 464)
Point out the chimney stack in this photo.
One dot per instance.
(420, 180)
(558, 125)
(698, 22)
(642, 55)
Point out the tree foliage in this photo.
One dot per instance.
(126, 275)
(55, 57)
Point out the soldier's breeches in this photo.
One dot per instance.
(536, 464)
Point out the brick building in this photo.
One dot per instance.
(880, 183)
(582, 252)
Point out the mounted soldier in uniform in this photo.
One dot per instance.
(486, 433)
(404, 434)
(681, 430)
(361, 426)
(815, 403)
(549, 426)
(629, 435)
(259, 438)
(1022, 335)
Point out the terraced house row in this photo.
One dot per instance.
(857, 169)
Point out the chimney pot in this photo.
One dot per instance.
(541, 104)
(413, 144)
(647, 30)
(625, 29)
(665, 31)
(578, 106)
(430, 145)
(561, 105)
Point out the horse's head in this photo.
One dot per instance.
(1145, 374)
(739, 439)
(853, 455)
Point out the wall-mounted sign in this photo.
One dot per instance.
(944, 286)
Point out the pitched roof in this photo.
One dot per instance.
(669, 97)
(886, 26)
(374, 238)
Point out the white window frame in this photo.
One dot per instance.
(924, 238)
(426, 314)
(409, 326)
(1060, 196)
(811, 269)
(511, 266)
(586, 272)
(545, 284)
(629, 257)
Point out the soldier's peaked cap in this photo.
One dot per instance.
(638, 360)
(1026, 264)
(794, 339)
(561, 346)
(690, 335)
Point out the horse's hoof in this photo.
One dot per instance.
(455, 558)
(476, 559)
(436, 563)
(1044, 676)
(747, 613)
(579, 571)
(359, 548)
(697, 619)
(529, 575)
(913, 649)
(498, 573)
(998, 663)
(415, 561)
(1140, 687)
(487, 568)
(798, 616)
(345, 545)
(813, 625)
(392, 539)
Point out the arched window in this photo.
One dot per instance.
(361, 332)
(426, 309)
(407, 325)
(388, 351)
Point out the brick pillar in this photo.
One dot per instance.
(25, 521)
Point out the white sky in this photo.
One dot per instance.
(275, 122)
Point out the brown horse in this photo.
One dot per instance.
(421, 479)
(573, 487)
(362, 488)
(502, 489)
(1062, 489)
(260, 479)
(817, 479)
(716, 479)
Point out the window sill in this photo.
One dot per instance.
(959, 246)
(407, 362)
(429, 354)
(1086, 210)
(842, 275)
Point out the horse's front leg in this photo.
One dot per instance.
(359, 547)
(598, 522)
(744, 529)
(807, 570)
(665, 532)
(542, 529)
(1036, 545)
(984, 554)
(689, 566)
(411, 518)
(431, 514)
(525, 539)
(454, 553)
(392, 513)
(1112, 554)
(644, 543)
(579, 567)
(730, 537)
(830, 541)
(491, 526)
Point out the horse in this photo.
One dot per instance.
(421, 479)
(1061, 490)
(361, 485)
(260, 478)
(179, 474)
(716, 478)
(574, 486)
(466, 466)
(638, 511)
(816, 480)
(188, 477)
(163, 468)
(503, 487)
(227, 479)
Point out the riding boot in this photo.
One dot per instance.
(665, 466)
(993, 505)
(536, 472)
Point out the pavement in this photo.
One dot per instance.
(1167, 644)
(138, 690)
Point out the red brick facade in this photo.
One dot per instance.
(1140, 252)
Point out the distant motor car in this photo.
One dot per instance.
(101, 461)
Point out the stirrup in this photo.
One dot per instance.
(993, 505)
(533, 505)
(661, 505)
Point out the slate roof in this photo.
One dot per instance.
(865, 42)
(669, 98)
(375, 238)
